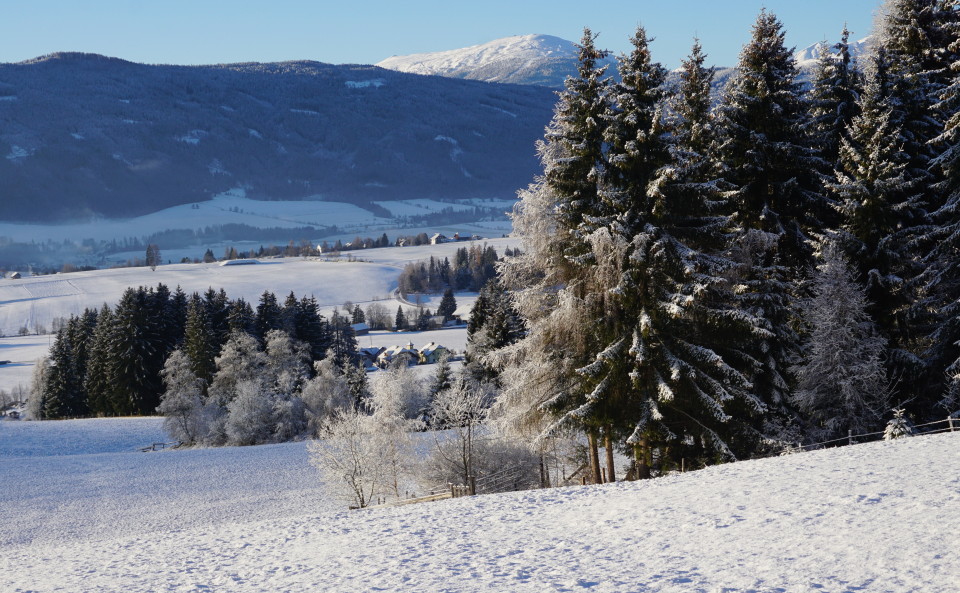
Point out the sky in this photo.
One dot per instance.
(365, 31)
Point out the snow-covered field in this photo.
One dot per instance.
(89, 513)
(34, 302)
(233, 207)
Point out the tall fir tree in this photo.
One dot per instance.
(97, 380)
(768, 172)
(762, 150)
(832, 100)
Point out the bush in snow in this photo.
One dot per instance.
(326, 395)
(34, 408)
(185, 416)
(250, 415)
(398, 391)
(362, 456)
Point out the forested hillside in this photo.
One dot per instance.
(85, 134)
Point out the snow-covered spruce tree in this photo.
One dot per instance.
(448, 305)
(136, 356)
(768, 175)
(96, 381)
(879, 205)
(310, 327)
(493, 324)
(898, 427)
(939, 305)
(343, 340)
(285, 374)
(842, 384)
(575, 140)
(762, 149)
(916, 36)
(269, 315)
(182, 406)
(62, 388)
(832, 99)
(442, 377)
(198, 341)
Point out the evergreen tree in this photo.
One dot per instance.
(842, 383)
(448, 305)
(311, 328)
(269, 315)
(939, 307)
(400, 322)
(152, 257)
(97, 380)
(832, 101)
(875, 196)
(240, 317)
(63, 389)
(768, 174)
(343, 340)
(573, 149)
(357, 315)
(762, 148)
(198, 342)
(135, 355)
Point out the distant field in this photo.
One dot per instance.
(35, 302)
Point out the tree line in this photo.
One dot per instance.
(471, 269)
(706, 280)
(109, 362)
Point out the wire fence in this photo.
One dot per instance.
(950, 424)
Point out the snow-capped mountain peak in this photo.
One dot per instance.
(521, 59)
(808, 56)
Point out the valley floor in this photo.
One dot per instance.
(100, 516)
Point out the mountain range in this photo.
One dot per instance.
(86, 135)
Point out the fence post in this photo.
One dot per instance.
(950, 421)
(850, 437)
(453, 493)
(473, 485)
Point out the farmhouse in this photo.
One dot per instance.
(406, 352)
(432, 352)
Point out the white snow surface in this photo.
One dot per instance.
(871, 518)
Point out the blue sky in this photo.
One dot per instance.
(365, 31)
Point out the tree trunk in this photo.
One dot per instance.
(608, 446)
(641, 452)
(594, 457)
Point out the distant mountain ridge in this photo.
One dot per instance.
(542, 60)
(84, 134)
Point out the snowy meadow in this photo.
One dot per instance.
(81, 509)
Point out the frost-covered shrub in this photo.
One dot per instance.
(363, 456)
(326, 395)
(399, 391)
(898, 426)
(250, 416)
